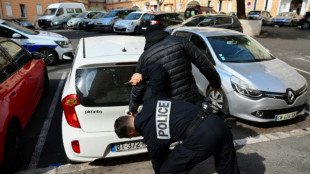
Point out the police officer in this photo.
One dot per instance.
(163, 121)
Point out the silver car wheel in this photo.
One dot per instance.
(217, 98)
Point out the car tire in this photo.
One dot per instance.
(80, 26)
(50, 56)
(46, 84)
(291, 24)
(64, 26)
(13, 149)
(218, 98)
(305, 25)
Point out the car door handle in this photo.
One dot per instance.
(30, 43)
(12, 94)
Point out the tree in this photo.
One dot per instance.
(241, 9)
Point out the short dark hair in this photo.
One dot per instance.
(121, 126)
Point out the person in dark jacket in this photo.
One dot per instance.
(164, 121)
(175, 54)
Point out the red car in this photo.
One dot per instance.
(23, 80)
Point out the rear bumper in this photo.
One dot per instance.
(93, 145)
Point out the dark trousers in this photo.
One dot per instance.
(212, 137)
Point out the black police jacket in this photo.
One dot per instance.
(181, 115)
(175, 54)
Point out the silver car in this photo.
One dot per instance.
(256, 85)
(265, 16)
(286, 18)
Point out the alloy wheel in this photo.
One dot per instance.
(216, 98)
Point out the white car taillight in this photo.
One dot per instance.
(68, 105)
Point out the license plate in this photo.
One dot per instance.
(298, 26)
(285, 116)
(276, 26)
(127, 146)
(143, 28)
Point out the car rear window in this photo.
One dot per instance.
(254, 13)
(104, 86)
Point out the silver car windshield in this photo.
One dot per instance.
(133, 16)
(238, 49)
(104, 86)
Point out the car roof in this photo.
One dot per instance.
(105, 49)
(210, 31)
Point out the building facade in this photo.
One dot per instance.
(33, 9)
(30, 9)
(273, 6)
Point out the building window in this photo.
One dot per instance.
(8, 8)
(39, 8)
(209, 4)
(23, 10)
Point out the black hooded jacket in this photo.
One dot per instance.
(175, 54)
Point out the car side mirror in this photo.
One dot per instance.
(37, 55)
(16, 35)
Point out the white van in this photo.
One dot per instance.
(59, 11)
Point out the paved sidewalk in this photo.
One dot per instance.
(275, 153)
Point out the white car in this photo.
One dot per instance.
(256, 85)
(96, 94)
(130, 24)
(53, 46)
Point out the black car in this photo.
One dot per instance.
(304, 22)
(218, 21)
(88, 24)
(160, 18)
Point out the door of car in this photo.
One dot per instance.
(60, 14)
(23, 40)
(165, 19)
(146, 20)
(21, 79)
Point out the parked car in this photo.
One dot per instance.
(232, 13)
(267, 88)
(88, 24)
(96, 94)
(59, 11)
(192, 11)
(22, 22)
(130, 24)
(285, 18)
(217, 21)
(265, 16)
(62, 23)
(23, 80)
(162, 19)
(304, 22)
(76, 23)
(53, 46)
(107, 22)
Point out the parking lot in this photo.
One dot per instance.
(43, 144)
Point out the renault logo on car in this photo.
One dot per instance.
(290, 96)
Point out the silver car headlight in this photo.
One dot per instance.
(63, 44)
(244, 88)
